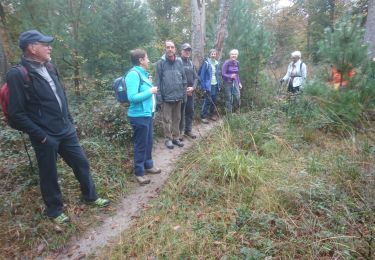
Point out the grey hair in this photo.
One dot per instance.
(296, 54)
(234, 51)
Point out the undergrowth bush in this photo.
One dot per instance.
(323, 107)
(352, 104)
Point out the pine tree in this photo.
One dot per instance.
(343, 46)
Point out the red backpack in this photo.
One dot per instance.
(4, 93)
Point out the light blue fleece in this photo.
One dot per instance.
(140, 96)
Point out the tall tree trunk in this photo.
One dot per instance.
(332, 13)
(198, 37)
(370, 27)
(3, 60)
(221, 31)
(75, 22)
(4, 46)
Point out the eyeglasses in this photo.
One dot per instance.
(45, 44)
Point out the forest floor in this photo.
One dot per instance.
(129, 207)
(254, 186)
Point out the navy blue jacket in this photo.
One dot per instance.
(33, 107)
(205, 75)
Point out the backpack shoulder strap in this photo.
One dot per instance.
(24, 72)
(300, 68)
(50, 67)
(139, 75)
(140, 78)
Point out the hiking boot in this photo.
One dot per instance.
(177, 142)
(205, 121)
(142, 180)
(61, 219)
(99, 202)
(153, 170)
(168, 143)
(190, 134)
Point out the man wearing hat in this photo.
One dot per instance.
(38, 107)
(187, 107)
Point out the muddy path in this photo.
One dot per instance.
(130, 206)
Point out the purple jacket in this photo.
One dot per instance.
(230, 67)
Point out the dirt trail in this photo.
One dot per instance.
(109, 231)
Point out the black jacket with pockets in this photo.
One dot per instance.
(33, 107)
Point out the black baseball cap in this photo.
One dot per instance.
(185, 46)
(31, 37)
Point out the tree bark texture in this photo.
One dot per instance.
(370, 27)
(75, 22)
(3, 61)
(221, 31)
(198, 23)
(4, 46)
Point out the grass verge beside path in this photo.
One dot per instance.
(25, 231)
(259, 187)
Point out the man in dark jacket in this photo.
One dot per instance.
(170, 79)
(38, 107)
(187, 107)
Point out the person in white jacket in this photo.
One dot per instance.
(296, 73)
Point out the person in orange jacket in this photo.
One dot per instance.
(337, 80)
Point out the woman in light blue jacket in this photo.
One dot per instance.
(141, 95)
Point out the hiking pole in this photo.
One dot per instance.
(213, 104)
(27, 152)
(280, 88)
(231, 97)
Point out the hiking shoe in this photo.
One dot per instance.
(190, 134)
(99, 202)
(205, 121)
(153, 170)
(177, 142)
(61, 219)
(168, 143)
(142, 180)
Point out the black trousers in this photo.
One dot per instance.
(187, 114)
(292, 89)
(68, 147)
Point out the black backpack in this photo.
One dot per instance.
(119, 86)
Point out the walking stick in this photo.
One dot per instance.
(27, 152)
(231, 96)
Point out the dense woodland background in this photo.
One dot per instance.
(93, 38)
(304, 166)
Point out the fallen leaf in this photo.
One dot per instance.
(75, 247)
(80, 256)
(41, 248)
(175, 228)
(114, 226)
(58, 228)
